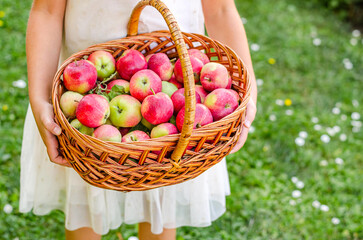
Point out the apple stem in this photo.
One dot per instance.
(109, 78)
(152, 90)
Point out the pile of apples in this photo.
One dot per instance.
(137, 98)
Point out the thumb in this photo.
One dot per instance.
(250, 113)
(50, 125)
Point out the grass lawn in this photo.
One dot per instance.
(300, 174)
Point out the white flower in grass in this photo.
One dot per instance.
(294, 179)
(348, 65)
(259, 82)
(251, 129)
(300, 184)
(355, 103)
(336, 129)
(325, 138)
(356, 124)
(339, 161)
(335, 110)
(343, 137)
(313, 34)
(16, 238)
(335, 220)
(296, 194)
(330, 131)
(279, 102)
(317, 41)
(355, 129)
(303, 134)
(8, 208)
(133, 238)
(292, 202)
(356, 33)
(346, 60)
(324, 208)
(300, 141)
(244, 20)
(289, 112)
(353, 41)
(255, 47)
(19, 83)
(272, 117)
(343, 117)
(323, 163)
(316, 204)
(317, 127)
(314, 120)
(355, 116)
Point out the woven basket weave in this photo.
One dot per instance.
(136, 166)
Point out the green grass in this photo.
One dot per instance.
(313, 77)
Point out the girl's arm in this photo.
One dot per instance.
(43, 43)
(224, 24)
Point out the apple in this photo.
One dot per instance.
(147, 124)
(168, 88)
(80, 76)
(178, 99)
(124, 131)
(130, 62)
(203, 116)
(157, 108)
(144, 83)
(214, 75)
(175, 82)
(82, 128)
(221, 102)
(234, 93)
(119, 82)
(163, 130)
(69, 102)
(199, 54)
(104, 63)
(202, 93)
(93, 110)
(107, 133)
(161, 65)
(229, 85)
(135, 136)
(125, 111)
(197, 66)
(147, 58)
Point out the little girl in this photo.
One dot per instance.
(56, 29)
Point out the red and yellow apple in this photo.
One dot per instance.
(144, 83)
(202, 117)
(107, 133)
(214, 75)
(221, 102)
(161, 65)
(104, 63)
(93, 110)
(157, 108)
(130, 62)
(125, 111)
(69, 102)
(80, 76)
(135, 136)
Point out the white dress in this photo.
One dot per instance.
(46, 186)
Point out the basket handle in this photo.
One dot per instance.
(188, 77)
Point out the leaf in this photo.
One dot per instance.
(116, 91)
(140, 127)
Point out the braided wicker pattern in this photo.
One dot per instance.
(148, 164)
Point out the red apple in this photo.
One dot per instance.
(221, 102)
(229, 85)
(202, 93)
(175, 82)
(178, 99)
(147, 58)
(234, 93)
(104, 63)
(120, 82)
(124, 130)
(93, 110)
(125, 111)
(202, 117)
(69, 102)
(107, 133)
(144, 83)
(197, 66)
(163, 130)
(135, 136)
(161, 65)
(214, 75)
(157, 108)
(80, 76)
(130, 62)
(199, 54)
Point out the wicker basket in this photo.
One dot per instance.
(135, 166)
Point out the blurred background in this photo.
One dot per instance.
(300, 174)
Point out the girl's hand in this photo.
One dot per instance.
(250, 116)
(48, 129)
